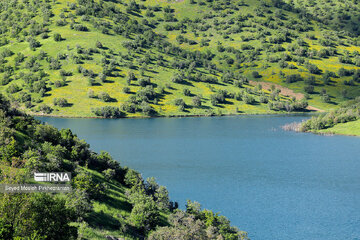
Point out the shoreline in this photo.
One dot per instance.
(310, 112)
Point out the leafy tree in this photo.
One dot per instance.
(108, 112)
(196, 101)
(256, 74)
(61, 102)
(37, 215)
(85, 182)
(104, 96)
(57, 37)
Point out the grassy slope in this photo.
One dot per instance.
(184, 9)
(349, 128)
(77, 86)
(109, 213)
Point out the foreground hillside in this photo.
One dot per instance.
(108, 201)
(169, 58)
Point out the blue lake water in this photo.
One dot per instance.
(271, 183)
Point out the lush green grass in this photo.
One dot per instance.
(349, 128)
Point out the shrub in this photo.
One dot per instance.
(248, 99)
(143, 82)
(91, 81)
(108, 112)
(147, 109)
(57, 37)
(99, 44)
(186, 92)
(44, 108)
(13, 88)
(256, 74)
(109, 173)
(309, 89)
(313, 68)
(104, 96)
(196, 101)
(91, 93)
(293, 78)
(126, 90)
(59, 83)
(177, 78)
(179, 102)
(61, 102)
(325, 98)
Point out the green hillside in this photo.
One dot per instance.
(108, 200)
(344, 120)
(172, 58)
(348, 128)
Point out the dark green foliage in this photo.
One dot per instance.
(293, 78)
(108, 112)
(197, 224)
(313, 68)
(33, 43)
(309, 89)
(186, 92)
(126, 90)
(349, 112)
(44, 108)
(288, 106)
(248, 99)
(37, 215)
(256, 74)
(104, 96)
(57, 37)
(325, 98)
(61, 102)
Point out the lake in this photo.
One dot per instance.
(271, 183)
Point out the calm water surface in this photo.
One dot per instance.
(272, 183)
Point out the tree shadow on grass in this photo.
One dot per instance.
(103, 220)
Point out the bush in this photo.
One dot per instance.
(293, 78)
(91, 93)
(104, 96)
(256, 74)
(179, 102)
(325, 98)
(109, 173)
(313, 68)
(45, 109)
(196, 101)
(177, 78)
(309, 89)
(310, 80)
(79, 27)
(13, 88)
(61, 102)
(143, 82)
(126, 90)
(99, 44)
(85, 182)
(57, 37)
(108, 112)
(186, 92)
(248, 99)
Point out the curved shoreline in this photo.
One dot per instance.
(310, 112)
